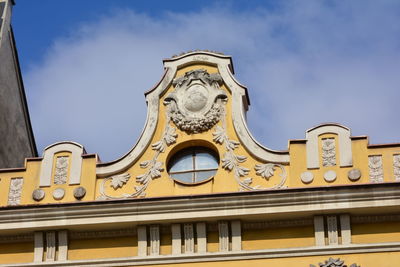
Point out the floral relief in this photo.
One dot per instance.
(14, 194)
(61, 170)
(153, 168)
(328, 152)
(331, 262)
(232, 162)
(396, 167)
(375, 169)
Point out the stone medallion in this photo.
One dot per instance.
(79, 192)
(307, 177)
(330, 176)
(58, 193)
(195, 104)
(354, 175)
(38, 194)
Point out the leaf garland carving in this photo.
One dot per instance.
(232, 161)
(153, 167)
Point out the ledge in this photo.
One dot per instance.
(227, 256)
(278, 204)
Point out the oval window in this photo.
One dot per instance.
(193, 165)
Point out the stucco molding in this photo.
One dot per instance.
(227, 255)
(239, 106)
(76, 162)
(345, 151)
(289, 203)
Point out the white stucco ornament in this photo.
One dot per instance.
(196, 103)
(330, 176)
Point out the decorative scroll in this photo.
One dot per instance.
(154, 168)
(396, 167)
(328, 152)
(14, 195)
(331, 262)
(61, 171)
(232, 161)
(375, 169)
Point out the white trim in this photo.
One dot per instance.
(345, 229)
(62, 245)
(201, 234)
(142, 240)
(319, 230)
(236, 235)
(345, 152)
(38, 250)
(226, 256)
(176, 239)
(239, 103)
(76, 162)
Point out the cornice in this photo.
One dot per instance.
(274, 205)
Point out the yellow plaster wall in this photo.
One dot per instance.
(375, 232)
(16, 252)
(212, 242)
(278, 238)
(102, 248)
(360, 152)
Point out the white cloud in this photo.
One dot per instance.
(305, 63)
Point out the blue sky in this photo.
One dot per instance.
(86, 64)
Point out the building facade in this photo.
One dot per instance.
(16, 136)
(198, 190)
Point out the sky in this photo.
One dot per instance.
(86, 64)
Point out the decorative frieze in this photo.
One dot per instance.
(375, 218)
(16, 238)
(102, 234)
(396, 167)
(14, 194)
(375, 169)
(328, 152)
(61, 170)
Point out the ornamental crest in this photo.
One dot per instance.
(196, 103)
